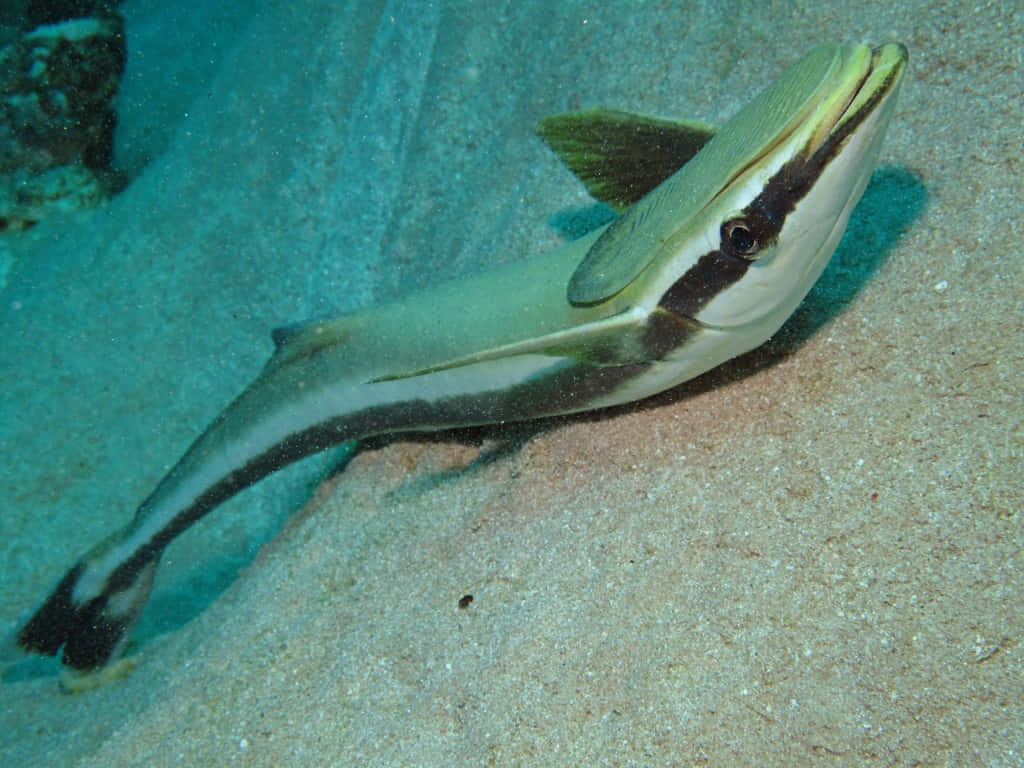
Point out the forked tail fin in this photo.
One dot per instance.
(90, 612)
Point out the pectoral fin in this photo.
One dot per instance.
(619, 156)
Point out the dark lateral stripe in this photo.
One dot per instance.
(89, 635)
(667, 331)
(557, 391)
(712, 274)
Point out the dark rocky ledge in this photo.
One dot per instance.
(59, 79)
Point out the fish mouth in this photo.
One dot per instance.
(888, 63)
(881, 78)
(891, 57)
(873, 78)
(863, 80)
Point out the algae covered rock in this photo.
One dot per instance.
(58, 85)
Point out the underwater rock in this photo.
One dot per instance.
(26, 199)
(38, 12)
(58, 84)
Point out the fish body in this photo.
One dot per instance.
(718, 242)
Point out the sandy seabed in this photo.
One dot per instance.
(813, 555)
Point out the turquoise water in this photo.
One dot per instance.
(284, 165)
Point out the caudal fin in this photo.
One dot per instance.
(89, 613)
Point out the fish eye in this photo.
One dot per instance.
(738, 239)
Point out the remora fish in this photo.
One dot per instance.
(716, 248)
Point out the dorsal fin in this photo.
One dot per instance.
(620, 156)
(304, 338)
(284, 335)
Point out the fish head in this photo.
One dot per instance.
(762, 241)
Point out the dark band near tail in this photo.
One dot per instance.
(92, 632)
